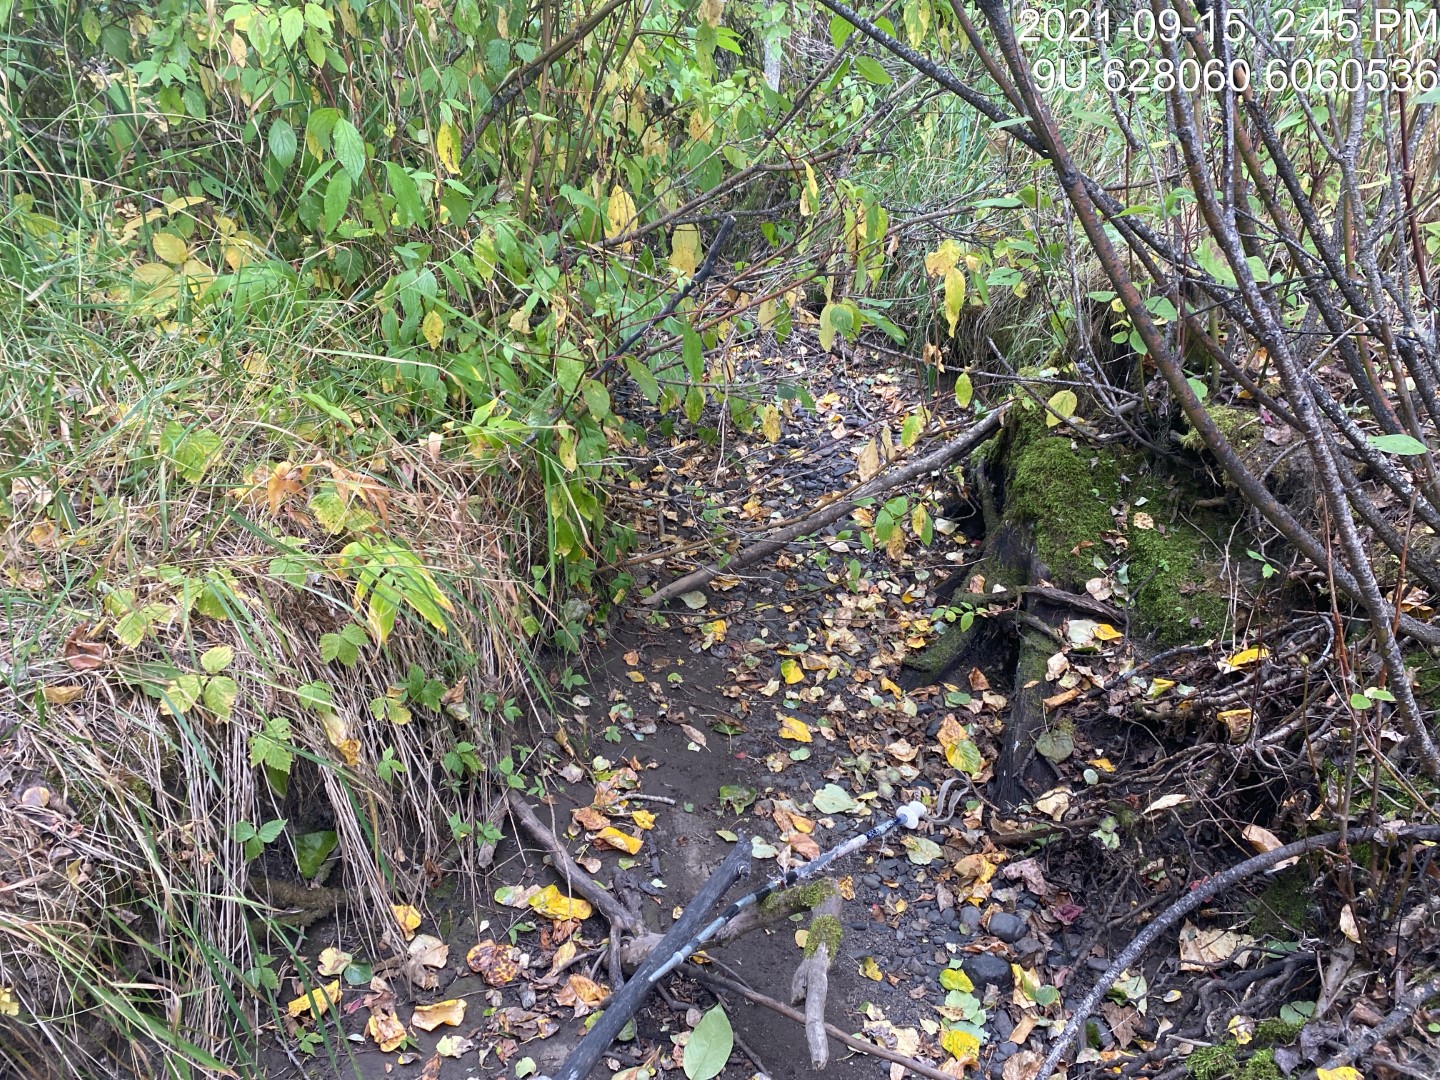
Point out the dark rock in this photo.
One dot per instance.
(987, 969)
(1008, 928)
(872, 880)
(1004, 1051)
(969, 918)
(1002, 1024)
(1097, 963)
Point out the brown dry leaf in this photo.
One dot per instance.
(450, 1013)
(316, 1001)
(1262, 840)
(1022, 1066)
(1062, 698)
(454, 1046)
(582, 994)
(1348, 925)
(803, 845)
(694, 734)
(522, 1025)
(495, 963)
(385, 1029)
(431, 1069)
(901, 750)
(63, 695)
(978, 681)
(869, 461)
(589, 819)
(1028, 871)
(1124, 1021)
(1204, 950)
(1237, 722)
(84, 655)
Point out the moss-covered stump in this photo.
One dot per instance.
(1060, 512)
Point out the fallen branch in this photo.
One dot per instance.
(919, 1068)
(834, 511)
(618, 916)
(626, 1001)
(1405, 1008)
(812, 977)
(1202, 893)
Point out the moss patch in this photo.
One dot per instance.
(1070, 496)
(805, 897)
(824, 930)
(1279, 911)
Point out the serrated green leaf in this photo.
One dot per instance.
(337, 201)
(349, 147)
(217, 659)
(283, 142)
(597, 398)
(220, 695)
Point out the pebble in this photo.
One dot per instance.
(1007, 927)
(872, 880)
(1005, 1050)
(1097, 963)
(969, 918)
(1002, 1024)
(986, 969)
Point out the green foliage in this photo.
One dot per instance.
(254, 838)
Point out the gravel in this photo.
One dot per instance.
(1007, 927)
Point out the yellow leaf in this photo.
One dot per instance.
(333, 961)
(869, 460)
(809, 193)
(450, 1013)
(554, 904)
(790, 672)
(643, 819)
(792, 727)
(943, 259)
(770, 423)
(433, 327)
(1236, 721)
(1103, 764)
(1344, 1072)
(170, 248)
(63, 695)
(768, 313)
(447, 147)
(408, 918)
(1159, 686)
(955, 297)
(710, 12)
(613, 837)
(1106, 632)
(1060, 407)
(961, 1045)
(870, 969)
(385, 1028)
(8, 1005)
(316, 1002)
(619, 212)
(685, 253)
(1247, 656)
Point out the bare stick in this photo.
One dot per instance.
(575, 878)
(1203, 892)
(919, 1068)
(812, 980)
(836, 510)
(1405, 1008)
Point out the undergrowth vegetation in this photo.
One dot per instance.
(315, 428)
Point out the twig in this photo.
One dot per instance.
(836, 510)
(1203, 892)
(919, 1068)
(1404, 1009)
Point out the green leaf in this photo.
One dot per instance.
(311, 850)
(283, 142)
(1057, 745)
(270, 831)
(1360, 701)
(349, 146)
(217, 659)
(220, 694)
(694, 404)
(1401, 445)
(409, 210)
(955, 979)
(1198, 388)
(872, 71)
(709, 1047)
(597, 398)
(644, 379)
(337, 201)
(911, 429)
(182, 694)
(839, 30)
(964, 391)
(292, 25)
